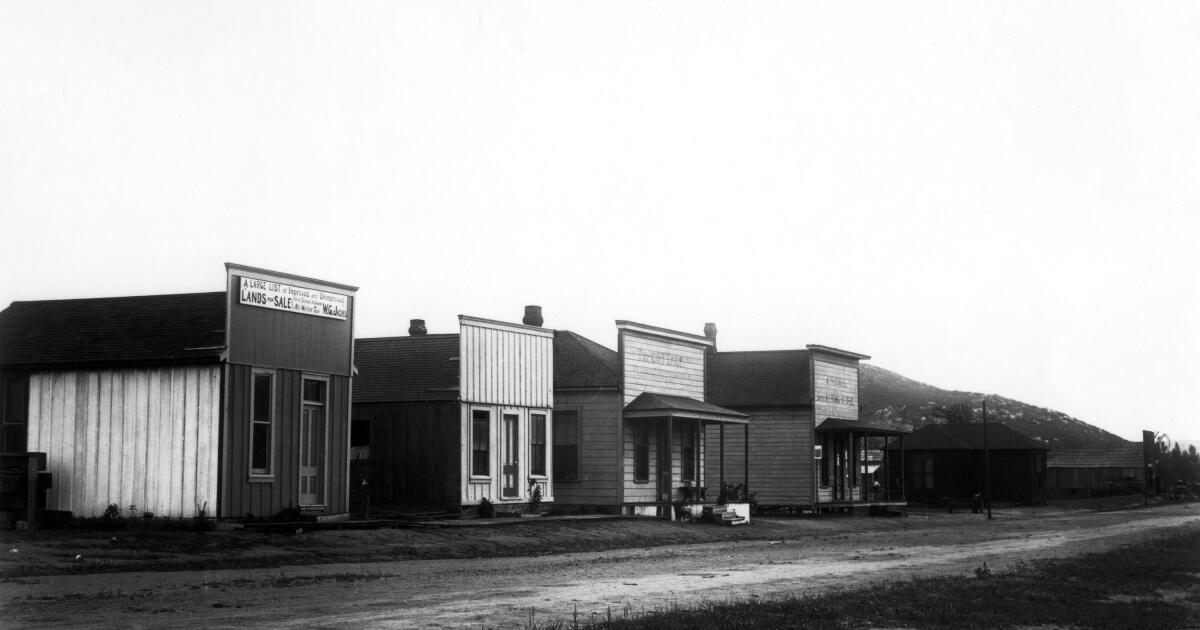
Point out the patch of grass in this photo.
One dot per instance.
(1154, 584)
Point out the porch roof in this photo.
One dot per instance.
(651, 405)
(842, 424)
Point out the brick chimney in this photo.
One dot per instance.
(416, 327)
(710, 331)
(533, 316)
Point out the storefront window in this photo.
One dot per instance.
(262, 423)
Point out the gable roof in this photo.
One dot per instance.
(969, 437)
(773, 377)
(580, 362)
(1126, 455)
(406, 369)
(180, 328)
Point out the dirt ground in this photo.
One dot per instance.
(513, 574)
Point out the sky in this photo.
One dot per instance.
(982, 196)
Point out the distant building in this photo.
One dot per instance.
(947, 461)
(228, 403)
(1080, 473)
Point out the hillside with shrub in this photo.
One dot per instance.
(891, 399)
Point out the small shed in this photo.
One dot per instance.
(947, 462)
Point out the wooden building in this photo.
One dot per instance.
(457, 418)
(1098, 471)
(631, 424)
(947, 461)
(807, 446)
(228, 404)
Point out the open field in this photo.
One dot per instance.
(498, 575)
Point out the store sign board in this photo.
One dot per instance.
(285, 297)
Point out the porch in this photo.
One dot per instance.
(666, 469)
(852, 471)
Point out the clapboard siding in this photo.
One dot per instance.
(598, 483)
(665, 366)
(506, 364)
(244, 494)
(136, 437)
(781, 465)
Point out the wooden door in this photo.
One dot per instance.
(312, 455)
(510, 435)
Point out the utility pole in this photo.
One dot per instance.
(987, 464)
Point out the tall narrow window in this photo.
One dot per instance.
(15, 414)
(262, 423)
(537, 444)
(566, 445)
(687, 435)
(641, 453)
(480, 439)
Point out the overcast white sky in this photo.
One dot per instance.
(986, 196)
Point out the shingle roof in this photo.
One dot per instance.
(957, 437)
(406, 369)
(581, 362)
(775, 377)
(1128, 455)
(188, 327)
(650, 402)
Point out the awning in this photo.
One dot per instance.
(830, 425)
(650, 405)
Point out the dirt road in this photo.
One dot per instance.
(802, 555)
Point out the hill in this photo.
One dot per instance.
(891, 399)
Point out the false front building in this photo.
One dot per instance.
(808, 449)
(454, 419)
(229, 403)
(630, 425)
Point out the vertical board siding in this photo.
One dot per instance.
(414, 454)
(106, 434)
(665, 366)
(243, 495)
(506, 365)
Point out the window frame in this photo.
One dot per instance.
(546, 431)
(574, 415)
(487, 474)
(266, 473)
(641, 453)
(688, 446)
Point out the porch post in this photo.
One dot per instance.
(903, 473)
(670, 450)
(746, 459)
(887, 469)
(721, 490)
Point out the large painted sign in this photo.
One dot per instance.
(285, 297)
(836, 393)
